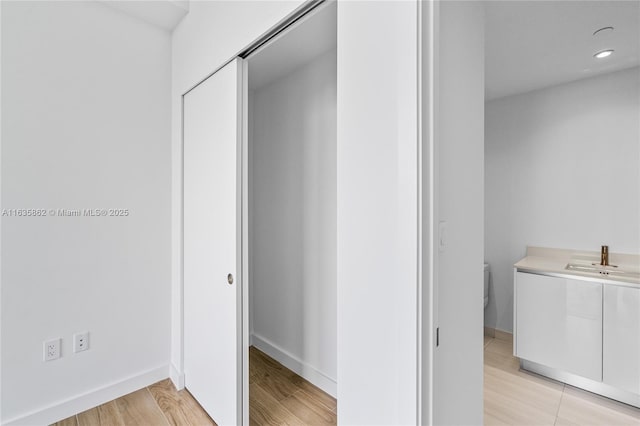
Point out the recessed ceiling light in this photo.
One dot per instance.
(603, 30)
(603, 54)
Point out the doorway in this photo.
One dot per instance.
(291, 253)
(260, 240)
(550, 103)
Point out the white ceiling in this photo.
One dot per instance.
(165, 14)
(307, 39)
(528, 44)
(535, 44)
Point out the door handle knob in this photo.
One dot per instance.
(230, 278)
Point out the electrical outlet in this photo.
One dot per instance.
(52, 349)
(81, 341)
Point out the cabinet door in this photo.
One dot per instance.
(559, 323)
(621, 351)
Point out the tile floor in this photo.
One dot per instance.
(514, 397)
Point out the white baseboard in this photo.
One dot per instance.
(67, 408)
(176, 377)
(497, 333)
(296, 365)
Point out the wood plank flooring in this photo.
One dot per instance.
(277, 396)
(158, 404)
(280, 397)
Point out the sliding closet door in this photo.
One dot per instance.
(212, 287)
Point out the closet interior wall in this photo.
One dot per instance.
(292, 219)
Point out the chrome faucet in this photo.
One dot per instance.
(604, 256)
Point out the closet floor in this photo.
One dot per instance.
(278, 396)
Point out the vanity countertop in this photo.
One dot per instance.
(554, 261)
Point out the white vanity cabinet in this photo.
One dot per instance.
(621, 334)
(558, 323)
(578, 322)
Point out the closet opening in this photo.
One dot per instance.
(292, 223)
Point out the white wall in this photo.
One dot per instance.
(378, 240)
(212, 33)
(457, 387)
(561, 171)
(293, 208)
(85, 114)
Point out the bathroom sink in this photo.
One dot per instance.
(596, 268)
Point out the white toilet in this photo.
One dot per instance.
(486, 284)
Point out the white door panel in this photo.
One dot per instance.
(211, 223)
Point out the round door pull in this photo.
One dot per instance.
(230, 278)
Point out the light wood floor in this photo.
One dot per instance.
(158, 404)
(280, 397)
(277, 396)
(515, 397)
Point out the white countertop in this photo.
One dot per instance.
(554, 261)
